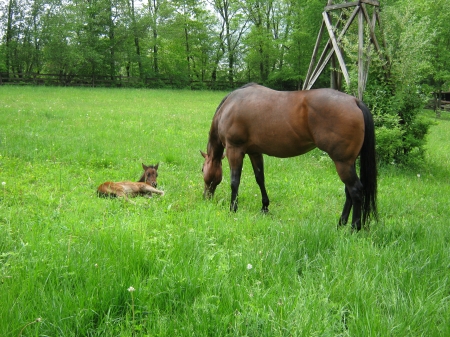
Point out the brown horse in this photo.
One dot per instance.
(255, 120)
(145, 186)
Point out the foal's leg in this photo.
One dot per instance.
(258, 167)
(354, 190)
(123, 195)
(235, 160)
(148, 190)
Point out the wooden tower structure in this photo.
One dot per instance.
(333, 50)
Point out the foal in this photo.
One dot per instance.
(145, 186)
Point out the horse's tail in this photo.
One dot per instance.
(368, 167)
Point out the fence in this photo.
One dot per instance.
(112, 81)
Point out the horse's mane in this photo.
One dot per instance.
(213, 137)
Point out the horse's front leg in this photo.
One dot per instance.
(235, 160)
(258, 168)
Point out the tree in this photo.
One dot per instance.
(234, 24)
(396, 103)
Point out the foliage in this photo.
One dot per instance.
(74, 264)
(396, 92)
(400, 131)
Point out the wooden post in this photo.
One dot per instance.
(360, 54)
(438, 110)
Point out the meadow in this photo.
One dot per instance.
(73, 264)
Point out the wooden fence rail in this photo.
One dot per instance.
(112, 81)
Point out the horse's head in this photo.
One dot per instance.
(212, 174)
(150, 174)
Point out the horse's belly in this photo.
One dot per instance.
(281, 151)
(282, 145)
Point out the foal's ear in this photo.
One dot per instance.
(156, 166)
(203, 154)
(144, 166)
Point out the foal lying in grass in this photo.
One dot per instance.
(145, 186)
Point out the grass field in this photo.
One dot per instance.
(72, 264)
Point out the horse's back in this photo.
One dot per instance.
(114, 189)
(106, 189)
(290, 123)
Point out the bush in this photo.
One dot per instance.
(400, 132)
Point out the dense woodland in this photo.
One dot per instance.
(224, 43)
(267, 41)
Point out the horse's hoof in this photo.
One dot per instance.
(265, 210)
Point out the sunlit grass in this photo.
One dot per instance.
(68, 258)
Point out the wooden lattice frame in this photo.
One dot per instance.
(332, 50)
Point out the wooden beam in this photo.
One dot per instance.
(323, 61)
(380, 27)
(314, 55)
(339, 6)
(373, 36)
(360, 54)
(322, 56)
(371, 29)
(367, 63)
(336, 47)
(331, 7)
(372, 2)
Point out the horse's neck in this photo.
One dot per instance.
(215, 146)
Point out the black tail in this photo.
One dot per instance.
(368, 167)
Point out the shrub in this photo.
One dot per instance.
(400, 132)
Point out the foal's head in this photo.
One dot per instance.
(212, 174)
(150, 174)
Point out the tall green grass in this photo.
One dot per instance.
(69, 261)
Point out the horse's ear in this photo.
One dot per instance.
(156, 166)
(203, 154)
(144, 166)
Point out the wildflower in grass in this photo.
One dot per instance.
(249, 266)
(3, 183)
(131, 289)
(418, 175)
(37, 320)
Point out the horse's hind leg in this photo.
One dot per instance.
(258, 168)
(347, 208)
(353, 194)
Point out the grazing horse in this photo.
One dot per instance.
(145, 186)
(256, 120)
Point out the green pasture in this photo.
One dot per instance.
(73, 264)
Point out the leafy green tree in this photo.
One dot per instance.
(234, 24)
(439, 75)
(396, 103)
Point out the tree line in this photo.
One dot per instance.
(206, 43)
(184, 40)
(267, 41)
